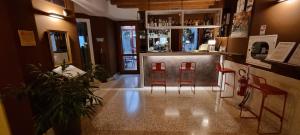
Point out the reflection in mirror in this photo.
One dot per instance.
(60, 48)
(260, 50)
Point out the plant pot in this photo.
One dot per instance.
(73, 128)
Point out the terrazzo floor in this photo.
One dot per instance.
(129, 110)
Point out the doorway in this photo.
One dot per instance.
(129, 51)
(85, 43)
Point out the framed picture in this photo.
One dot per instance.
(241, 20)
(281, 52)
(27, 38)
(295, 59)
(259, 48)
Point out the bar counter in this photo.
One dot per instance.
(205, 66)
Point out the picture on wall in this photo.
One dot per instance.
(259, 48)
(242, 18)
(281, 52)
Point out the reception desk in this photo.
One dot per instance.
(205, 66)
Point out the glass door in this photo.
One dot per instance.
(129, 49)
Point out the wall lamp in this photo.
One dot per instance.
(283, 0)
(54, 15)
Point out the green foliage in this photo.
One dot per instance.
(100, 73)
(56, 100)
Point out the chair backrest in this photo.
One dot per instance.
(256, 80)
(188, 66)
(158, 66)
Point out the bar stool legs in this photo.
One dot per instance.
(227, 84)
(189, 68)
(159, 69)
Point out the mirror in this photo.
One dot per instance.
(59, 47)
(58, 2)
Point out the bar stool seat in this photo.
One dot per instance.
(158, 68)
(190, 69)
(225, 71)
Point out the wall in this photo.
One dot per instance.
(282, 19)
(11, 67)
(20, 15)
(103, 28)
(45, 23)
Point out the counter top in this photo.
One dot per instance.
(178, 53)
(187, 53)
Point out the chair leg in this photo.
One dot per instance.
(194, 89)
(165, 88)
(231, 85)
(151, 88)
(260, 113)
(179, 89)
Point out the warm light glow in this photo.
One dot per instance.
(289, 1)
(205, 122)
(172, 112)
(55, 16)
(212, 42)
(65, 13)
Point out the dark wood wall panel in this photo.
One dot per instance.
(282, 19)
(103, 28)
(20, 15)
(18, 113)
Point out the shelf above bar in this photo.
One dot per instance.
(185, 27)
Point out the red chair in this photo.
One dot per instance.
(187, 75)
(225, 71)
(158, 69)
(260, 84)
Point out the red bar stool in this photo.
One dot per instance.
(224, 72)
(188, 69)
(158, 69)
(260, 84)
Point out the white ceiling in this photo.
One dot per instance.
(104, 8)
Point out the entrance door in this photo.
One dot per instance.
(85, 42)
(129, 55)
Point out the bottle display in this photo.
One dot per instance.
(159, 40)
(162, 22)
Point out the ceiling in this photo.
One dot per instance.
(166, 4)
(121, 10)
(104, 8)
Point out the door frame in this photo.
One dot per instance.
(119, 46)
(90, 37)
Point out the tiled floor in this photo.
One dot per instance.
(129, 110)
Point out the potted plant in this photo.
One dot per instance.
(59, 102)
(101, 73)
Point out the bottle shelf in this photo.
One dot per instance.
(178, 19)
(186, 27)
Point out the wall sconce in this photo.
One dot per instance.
(284, 0)
(56, 16)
